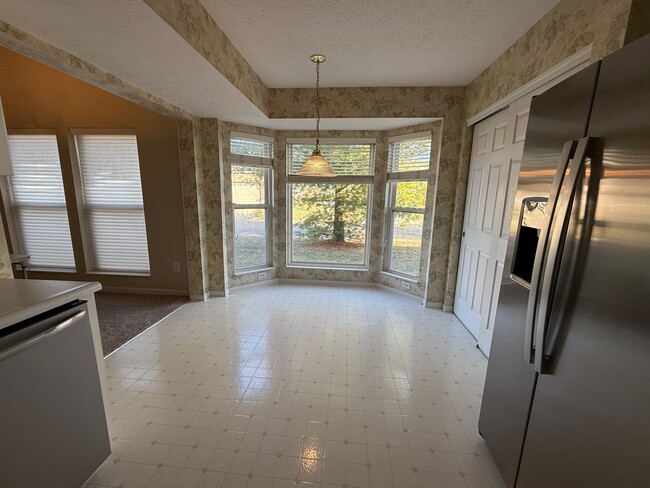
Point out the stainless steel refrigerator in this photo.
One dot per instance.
(567, 393)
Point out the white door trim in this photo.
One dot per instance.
(581, 57)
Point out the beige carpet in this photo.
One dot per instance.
(124, 316)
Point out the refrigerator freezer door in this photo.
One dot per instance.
(589, 423)
(560, 114)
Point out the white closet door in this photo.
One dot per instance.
(489, 174)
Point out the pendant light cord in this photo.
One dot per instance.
(317, 106)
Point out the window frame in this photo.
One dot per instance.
(86, 237)
(10, 208)
(367, 180)
(267, 165)
(393, 178)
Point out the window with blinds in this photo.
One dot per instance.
(409, 158)
(344, 159)
(38, 202)
(113, 209)
(251, 149)
(330, 217)
(412, 154)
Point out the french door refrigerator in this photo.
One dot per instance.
(567, 392)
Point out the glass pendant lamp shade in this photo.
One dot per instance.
(316, 165)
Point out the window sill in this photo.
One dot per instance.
(327, 267)
(410, 279)
(119, 273)
(244, 272)
(50, 270)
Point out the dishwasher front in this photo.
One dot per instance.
(53, 430)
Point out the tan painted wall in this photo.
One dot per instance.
(36, 96)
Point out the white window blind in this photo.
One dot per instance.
(344, 159)
(38, 201)
(112, 199)
(251, 149)
(411, 154)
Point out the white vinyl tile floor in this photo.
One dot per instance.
(287, 386)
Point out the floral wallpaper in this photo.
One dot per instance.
(212, 191)
(30, 46)
(567, 28)
(191, 159)
(409, 101)
(5, 264)
(459, 214)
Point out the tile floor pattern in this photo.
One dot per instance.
(298, 386)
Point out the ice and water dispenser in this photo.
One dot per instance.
(531, 218)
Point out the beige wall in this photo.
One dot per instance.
(38, 97)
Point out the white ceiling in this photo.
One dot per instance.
(368, 42)
(374, 42)
(126, 38)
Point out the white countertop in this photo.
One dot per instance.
(22, 299)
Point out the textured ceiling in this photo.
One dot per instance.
(374, 42)
(368, 42)
(127, 39)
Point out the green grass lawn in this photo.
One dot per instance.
(308, 251)
(250, 251)
(406, 256)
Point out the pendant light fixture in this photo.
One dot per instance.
(316, 164)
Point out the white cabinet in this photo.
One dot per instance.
(5, 162)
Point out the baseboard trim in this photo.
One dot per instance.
(435, 305)
(219, 294)
(447, 308)
(291, 281)
(200, 298)
(401, 293)
(257, 284)
(144, 291)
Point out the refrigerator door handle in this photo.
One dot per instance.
(556, 241)
(541, 251)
